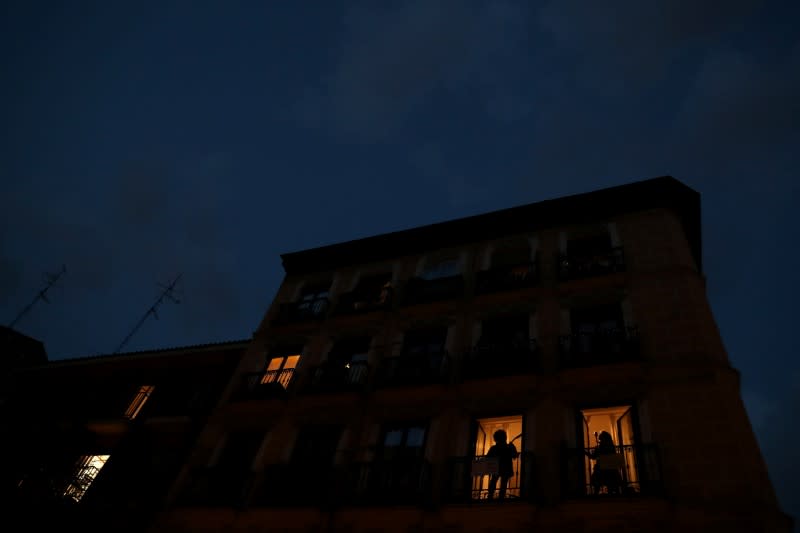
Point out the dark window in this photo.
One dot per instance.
(505, 329)
(403, 441)
(425, 341)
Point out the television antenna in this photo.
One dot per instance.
(167, 293)
(50, 280)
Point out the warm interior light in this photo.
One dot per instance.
(88, 468)
(617, 421)
(512, 425)
(280, 369)
(138, 401)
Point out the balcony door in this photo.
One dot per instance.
(619, 423)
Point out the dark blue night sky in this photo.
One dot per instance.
(145, 140)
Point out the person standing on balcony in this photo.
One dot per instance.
(607, 465)
(505, 453)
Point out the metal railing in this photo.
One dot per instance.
(501, 358)
(608, 345)
(468, 481)
(419, 290)
(338, 377)
(265, 384)
(396, 481)
(313, 309)
(507, 277)
(633, 470)
(576, 266)
(363, 302)
(414, 369)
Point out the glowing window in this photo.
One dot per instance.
(88, 468)
(281, 370)
(483, 469)
(138, 401)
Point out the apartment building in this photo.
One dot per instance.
(368, 398)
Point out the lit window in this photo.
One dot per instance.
(138, 401)
(281, 370)
(88, 468)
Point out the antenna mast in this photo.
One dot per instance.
(42, 295)
(167, 292)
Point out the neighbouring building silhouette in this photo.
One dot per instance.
(369, 397)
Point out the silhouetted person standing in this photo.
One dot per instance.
(505, 453)
(606, 469)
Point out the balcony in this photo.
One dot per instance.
(303, 311)
(215, 487)
(578, 266)
(265, 385)
(333, 377)
(420, 291)
(414, 369)
(468, 482)
(355, 302)
(392, 482)
(494, 359)
(634, 471)
(507, 278)
(608, 345)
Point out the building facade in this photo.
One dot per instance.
(370, 395)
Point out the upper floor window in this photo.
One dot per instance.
(373, 291)
(314, 298)
(281, 366)
(425, 341)
(86, 472)
(144, 393)
(598, 334)
(590, 252)
(440, 269)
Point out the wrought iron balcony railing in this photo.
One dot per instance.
(492, 359)
(361, 302)
(507, 278)
(576, 266)
(419, 291)
(633, 470)
(266, 384)
(468, 480)
(414, 369)
(302, 311)
(397, 481)
(609, 345)
(338, 377)
(216, 487)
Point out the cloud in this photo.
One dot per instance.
(394, 58)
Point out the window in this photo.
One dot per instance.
(485, 464)
(425, 341)
(616, 471)
(280, 369)
(441, 269)
(86, 472)
(403, 441)
(505, 330)
(138, 401)
(314, 298)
